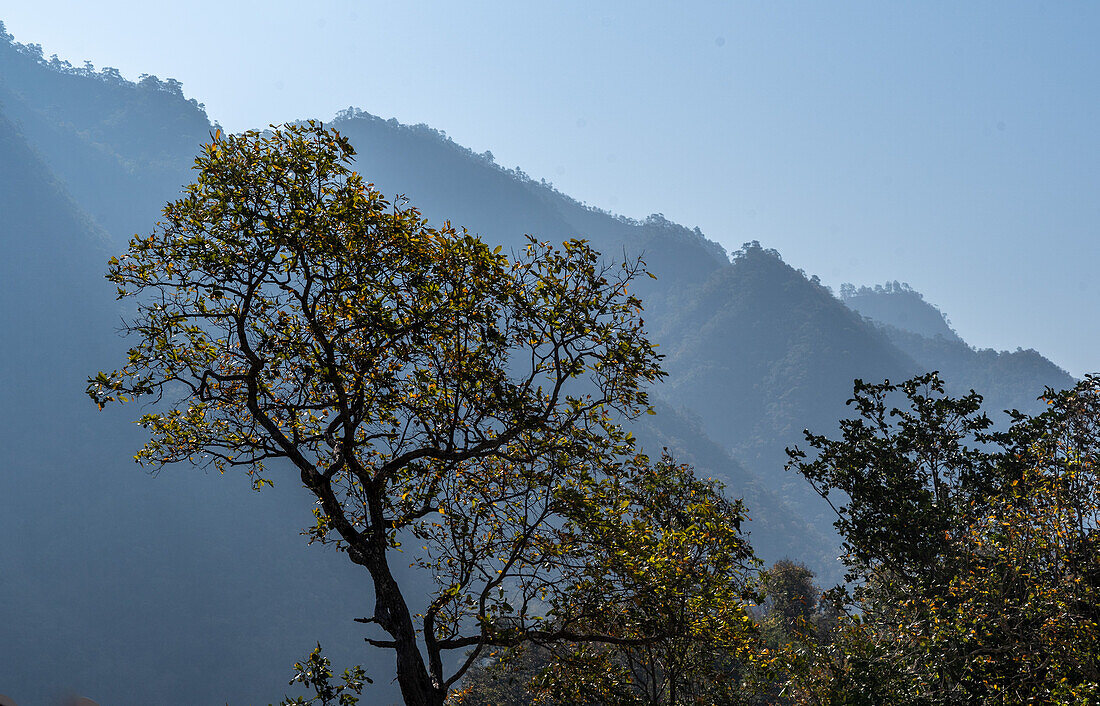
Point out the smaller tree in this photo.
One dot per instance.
(792, 600)
(798, 625)
(674, 546)
(316, 673)
(976, 564)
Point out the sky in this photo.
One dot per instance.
(951, 146)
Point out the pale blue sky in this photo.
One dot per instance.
(951, 146)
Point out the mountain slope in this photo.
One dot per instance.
(121, 149)
(1007, 380)
(756, 350)
(774, 521)
(900, 306)
(53, 298)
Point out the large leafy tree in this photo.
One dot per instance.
(437, 397)
(975, 552)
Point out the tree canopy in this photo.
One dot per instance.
(974, 552)
(438, 398)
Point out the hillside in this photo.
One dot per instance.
(53, 300)
(900, 306)
(1006, 379)
(121, 149)
(113, 583)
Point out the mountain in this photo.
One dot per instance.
(760, 352)
(181, 589)
(121, 149)
(1007, 380)
(733, 333)
(899, 306)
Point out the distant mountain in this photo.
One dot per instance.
(760, 352)
(448, 181)
(1007, 380)
(121, 149)
(900, 306)
(754, 349)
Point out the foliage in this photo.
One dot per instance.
(910, 476)
(680, 557)
(792, 601)
(977, 565)
(433, 395)
(316, 673)
(798, 625)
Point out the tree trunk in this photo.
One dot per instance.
(392, 615)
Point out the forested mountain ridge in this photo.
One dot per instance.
(137, 139)
(899, 305)
(1006, 379)
(756, 352)
(448, 181)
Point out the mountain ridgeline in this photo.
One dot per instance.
(191, 589)
(1007, 379)
(900, 306)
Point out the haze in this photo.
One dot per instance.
(951, 148)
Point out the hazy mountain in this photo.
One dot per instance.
(1007, 380)
(181, 589)
(760, 352)
(120, 148)
(900, 306)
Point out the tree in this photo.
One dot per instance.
(433, 394)
(975, 551)
(680, 557)
(909, 475)
(791, 599)
(316, 672)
